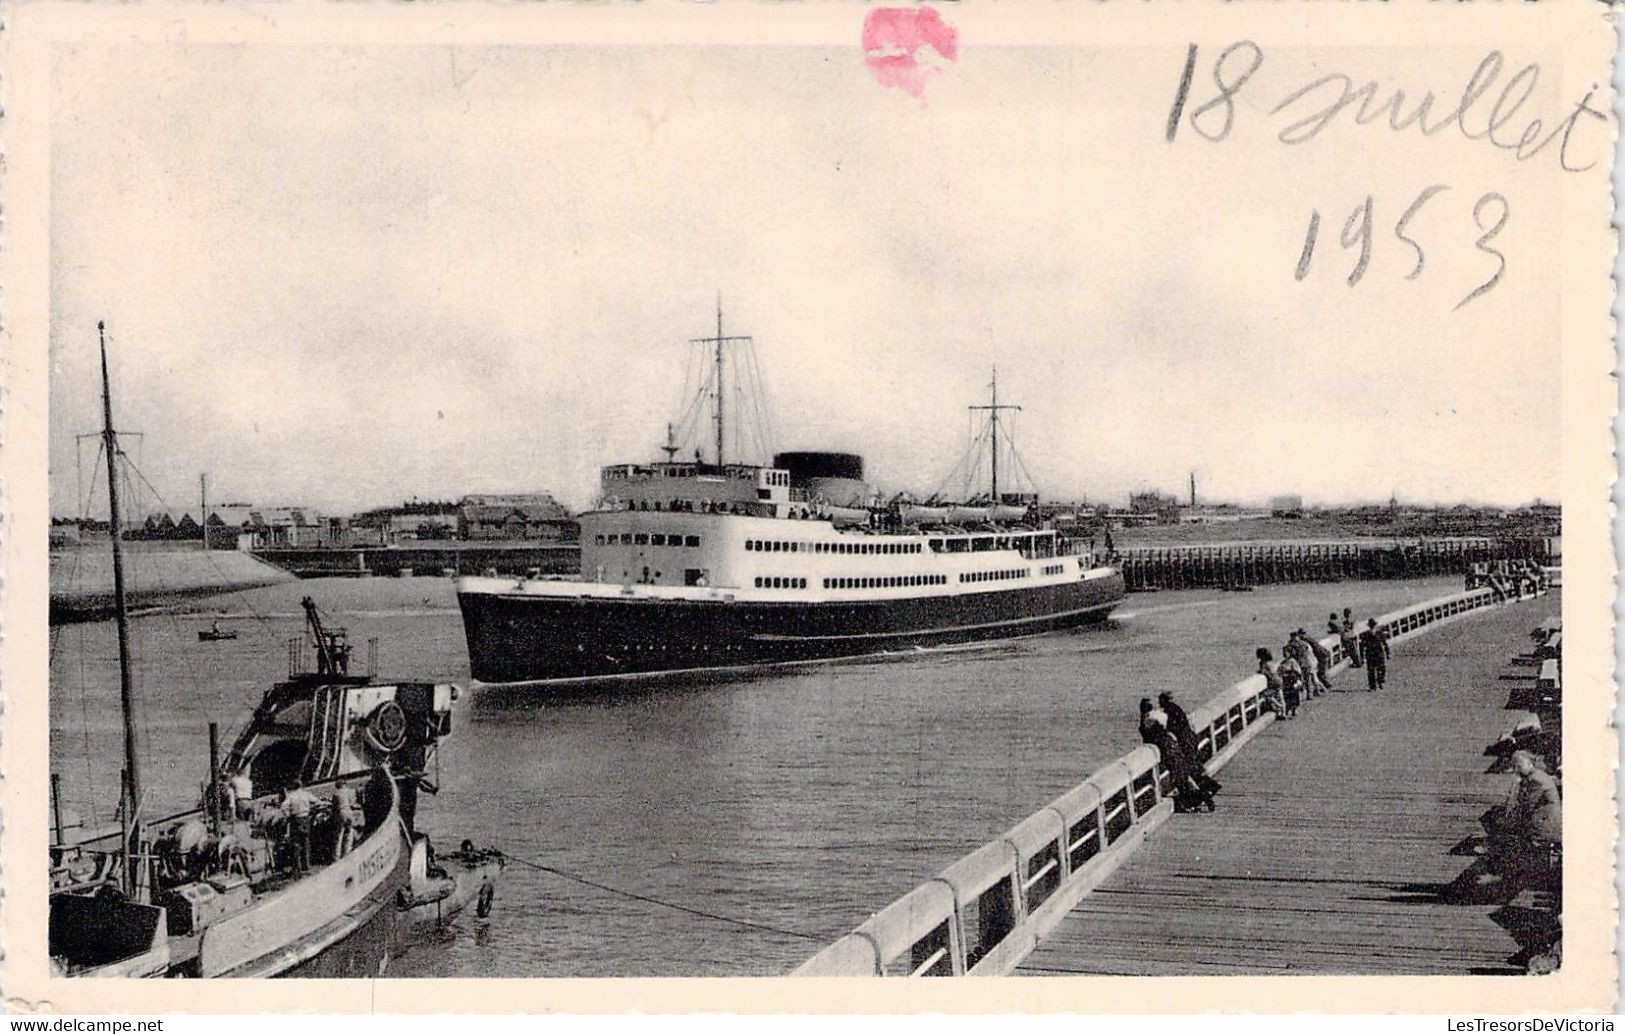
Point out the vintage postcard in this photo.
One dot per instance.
(509, 506)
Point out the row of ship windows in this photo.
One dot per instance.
(994, 576)
(1054, 568)
(889, 582)
(841, 548)
(892, 582)
(642, 539)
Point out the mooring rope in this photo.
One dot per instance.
(658, 901)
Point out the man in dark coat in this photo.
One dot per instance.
(1179, 724)
(1187, 795)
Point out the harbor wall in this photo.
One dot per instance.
(1242, 564)
(82, 579)
(983, 914)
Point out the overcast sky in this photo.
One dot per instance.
(344, 277)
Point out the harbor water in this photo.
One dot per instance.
(798, 801)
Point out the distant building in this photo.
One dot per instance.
(533, 516)
(408, 527)
(268, 527)
(1286, 506)
(1153, 507)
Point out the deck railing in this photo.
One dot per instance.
(984, 913)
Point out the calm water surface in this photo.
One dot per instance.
(804, 800)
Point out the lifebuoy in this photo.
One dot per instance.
(488, 896)
(386, 727)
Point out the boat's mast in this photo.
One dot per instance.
(116, 531)
(719, 378)
(995, 436)
(993, 411)
(203, 506)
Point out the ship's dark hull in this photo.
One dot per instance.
(519, 638)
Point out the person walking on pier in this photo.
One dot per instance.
(1272, 682)
(1351, 645)
(1179, 723)
(1374, 648)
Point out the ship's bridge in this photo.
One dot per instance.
(734, 487)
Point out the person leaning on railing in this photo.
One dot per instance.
(1179, 723)
(1188, 794)
(1272, 682)
(1291, 683)
(1323, 663)
(1351, 645)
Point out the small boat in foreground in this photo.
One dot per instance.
(298, 858)
(215, 634)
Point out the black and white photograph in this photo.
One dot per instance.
(832, 491)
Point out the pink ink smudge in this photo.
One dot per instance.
(892, 39)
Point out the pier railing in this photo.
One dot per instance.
(984, 913)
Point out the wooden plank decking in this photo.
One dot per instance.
(1333, 833)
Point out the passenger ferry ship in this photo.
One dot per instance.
(688, 566)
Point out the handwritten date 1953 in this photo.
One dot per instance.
(1490, 214)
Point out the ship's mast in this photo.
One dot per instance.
(993, 413)
(717, 343)
(116, 531)
(719, 378)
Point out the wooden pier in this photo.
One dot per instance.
(1334, 833)
(1241, 564)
